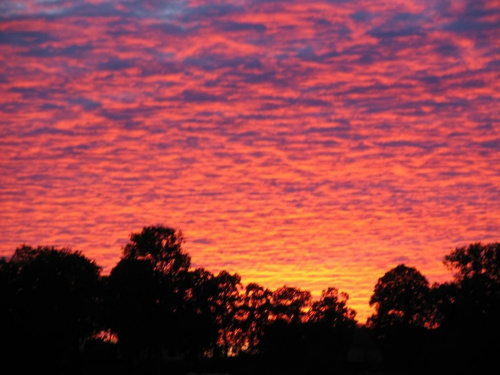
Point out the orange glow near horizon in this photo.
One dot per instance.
(311, 145)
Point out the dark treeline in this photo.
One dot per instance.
(154, 313)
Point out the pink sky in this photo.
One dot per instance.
(311, 144)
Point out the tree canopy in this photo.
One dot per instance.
(160, 245)
(400, 298)
(52, 302)
(155, 305)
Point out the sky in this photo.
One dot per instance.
(311, 144)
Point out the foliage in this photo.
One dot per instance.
(131, 296)
(227, 310)
(52, 302)
(152, 303)
(332, 310)
(290, 304)
(199, 313)
(162, 246)
(469, 307)
(400, 298)
(256, 310)
(475, 292)
(477, 262)
(147, 290)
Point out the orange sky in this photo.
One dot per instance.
(310, 144)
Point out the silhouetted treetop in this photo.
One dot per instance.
(54, 265)
(331, 309)
(256, 310)
(475, 261)
(290, 304)
(53, 302)
(157, 309)
(160, 245)
(474, 297)
(400, 298)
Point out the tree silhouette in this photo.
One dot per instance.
(469, 306)
(290, 304)
(256, 309)
(475, 290)
(401, 299)
(477, 262)
(329, 330)
(56, 302)
(284, 336)
(9, 338)
(228, 303)
(332, 310)
(147, 290)
(199, 314)
(162, 247)
(131, 298)
(402, 315)
(53, 303)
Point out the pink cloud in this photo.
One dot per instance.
(314, 145)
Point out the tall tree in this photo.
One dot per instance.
(228, 304)
(401, 299)
(475, 291)
(148, 287)
(132, 292)
(283, 342)
(290, 304)
(332, 310)
(470, 305)
(402, 313)
(53, 301)
(199, 314)
(256, 309)
(162, 247)
(477, 262)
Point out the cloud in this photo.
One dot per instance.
(307, 143)
(21, 38)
